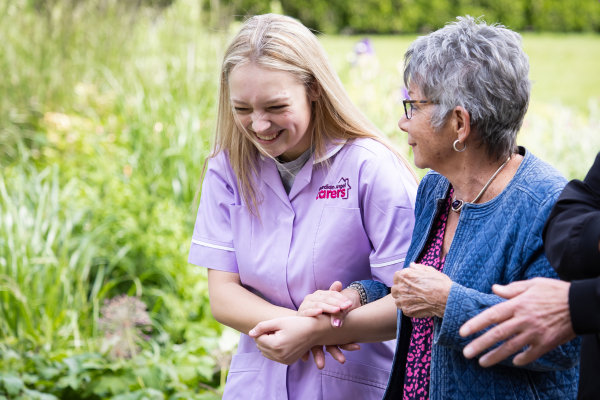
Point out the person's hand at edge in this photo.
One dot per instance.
(534, 320)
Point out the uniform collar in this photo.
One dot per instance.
(331, 149)
(270, 175)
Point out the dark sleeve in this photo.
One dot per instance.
(584, 305)
(572, 232)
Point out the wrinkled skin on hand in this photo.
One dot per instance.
(536, 315)
(421, 291)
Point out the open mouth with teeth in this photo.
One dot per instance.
(268, 137)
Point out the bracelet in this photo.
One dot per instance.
(362, 294)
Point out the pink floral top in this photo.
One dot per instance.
(418, 362)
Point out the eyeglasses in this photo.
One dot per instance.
(408, 111)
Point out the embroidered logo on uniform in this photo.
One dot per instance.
(339, 191)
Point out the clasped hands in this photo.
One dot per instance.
(288, 339)
(420, 291)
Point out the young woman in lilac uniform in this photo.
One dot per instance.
(300, 190)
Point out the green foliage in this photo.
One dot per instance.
(322, 16)
(106, 114)
(561, 16)
(85, 376)
(507, 12)
(388, 16)
(46, 259)
(219, 14)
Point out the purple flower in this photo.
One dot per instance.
(364, 46)
(405, 94)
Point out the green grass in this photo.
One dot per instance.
(564, 69)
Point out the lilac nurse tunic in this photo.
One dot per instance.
(346, 219)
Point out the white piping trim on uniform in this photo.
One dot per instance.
(214, 246)
(385, 264)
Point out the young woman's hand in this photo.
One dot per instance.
(335, 302)
(335, 351)
(285, 340)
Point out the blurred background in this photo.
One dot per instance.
(107, 114)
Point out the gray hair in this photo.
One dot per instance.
(480, 67)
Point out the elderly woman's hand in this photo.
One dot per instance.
(421, 291)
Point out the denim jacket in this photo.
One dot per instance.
(499, 241)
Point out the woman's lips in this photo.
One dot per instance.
(268, 138)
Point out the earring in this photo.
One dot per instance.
(456, 149)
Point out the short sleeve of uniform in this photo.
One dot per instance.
(389, 191)
(212, 241)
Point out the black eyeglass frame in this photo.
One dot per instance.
(411, 102)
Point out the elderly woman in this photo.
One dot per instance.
(479, 215)
(479, 219)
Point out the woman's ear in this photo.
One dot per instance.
(462, 123)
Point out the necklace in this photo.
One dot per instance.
(457, 204)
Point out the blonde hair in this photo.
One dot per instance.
(281, 43)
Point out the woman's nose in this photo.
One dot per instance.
(402, 123)
(260, 123)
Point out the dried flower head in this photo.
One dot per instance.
(124, 322)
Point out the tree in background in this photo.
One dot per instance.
(410, 16)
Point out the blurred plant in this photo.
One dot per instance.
(362, 49)
(47, 264)
(105, 116)
(227, 345)
(167, 372)
(563, 136)
(124, 323)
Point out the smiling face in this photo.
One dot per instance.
(273, 107)
(431, 148)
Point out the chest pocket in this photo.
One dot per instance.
(341, 249)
